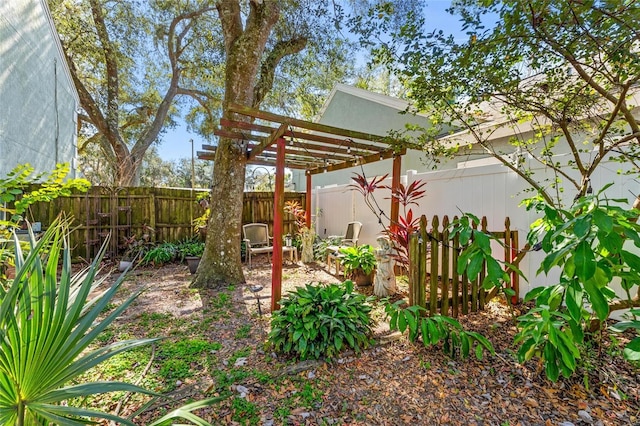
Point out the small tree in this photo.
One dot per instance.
(560, 78)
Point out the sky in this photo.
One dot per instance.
(176, 142)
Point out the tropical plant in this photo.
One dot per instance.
(190, 247)
(160, 254)
(406, 196)
(587, 244)
(54, 319)
(478, 254)
(358, 259)
(436, 329)
(20, 189)
(321, 320)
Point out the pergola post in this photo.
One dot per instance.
(395, 185)
(278, 210)
(307, 211)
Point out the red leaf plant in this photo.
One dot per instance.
(398, 232)
(295, 209)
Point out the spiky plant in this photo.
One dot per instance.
(47, 323)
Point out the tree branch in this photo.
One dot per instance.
(270, 63)
(230, 18)
(113, 85)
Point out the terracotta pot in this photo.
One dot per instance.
(361, 279)
(192, 262)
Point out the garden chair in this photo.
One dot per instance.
(350, 238)
(257, 240)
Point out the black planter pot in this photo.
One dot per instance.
(192, 262)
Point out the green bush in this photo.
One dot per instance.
(161, 254)
(358, 258)
(192, 247)
(437, 329)
(320, 320)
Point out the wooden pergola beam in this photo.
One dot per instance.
(288, 121)
(362, 160)
(301, 150)
(338, 143)
(270, 140)
(211, 155)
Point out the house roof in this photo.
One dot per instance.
(389, 101)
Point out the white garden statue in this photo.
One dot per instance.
(385, 281)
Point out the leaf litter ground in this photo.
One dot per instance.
(392, 383)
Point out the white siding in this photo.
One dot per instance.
(39, 102)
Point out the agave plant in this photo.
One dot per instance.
(47, 323)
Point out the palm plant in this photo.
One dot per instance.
(47, 323)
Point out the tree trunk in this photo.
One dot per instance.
(221, 264)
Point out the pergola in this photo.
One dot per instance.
(313, 147)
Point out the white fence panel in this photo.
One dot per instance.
(490, 190)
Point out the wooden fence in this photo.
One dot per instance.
(125, 212)
(433, 279)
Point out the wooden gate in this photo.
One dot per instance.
(433, 258)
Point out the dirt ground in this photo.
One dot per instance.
(392, 383)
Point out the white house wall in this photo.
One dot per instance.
(39, 102)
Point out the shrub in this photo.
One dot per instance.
(320, 320)
(436, 329)
(161, 254)
(192, 247)
(358, 258)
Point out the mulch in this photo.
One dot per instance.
(397, 382)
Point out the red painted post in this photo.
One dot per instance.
(278, 211)
(395, 185)
(307, 206)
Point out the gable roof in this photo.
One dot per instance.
(389, 101)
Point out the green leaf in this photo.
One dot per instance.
(434, 333)
(551, 367)
(631, 259)
(465, 345)
(582, 226)
(402, 321)
(475, 265)
(533, 293)
(574, 300)
(425, 332)
(584, 261)
(602, 220)
(632, 350)
(479, 351)
(597, 299)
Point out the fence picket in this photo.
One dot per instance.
(123, 212)
(445, 265)
(450, 292)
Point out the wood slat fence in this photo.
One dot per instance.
(433, 257)
(125, 212)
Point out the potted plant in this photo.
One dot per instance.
(359, 263)
(136, 247)
(191, 250)
(160, 254)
